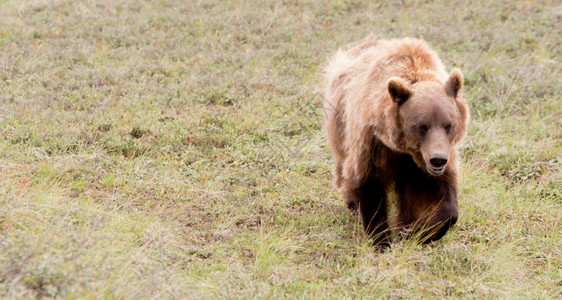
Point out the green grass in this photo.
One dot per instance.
(174, 149)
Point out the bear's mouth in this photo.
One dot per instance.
(435, 171)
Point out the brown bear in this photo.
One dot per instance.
(394, 116)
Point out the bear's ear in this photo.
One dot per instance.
(398, 90)
(454, 83)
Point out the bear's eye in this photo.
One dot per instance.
(422, 129)
(448, 127)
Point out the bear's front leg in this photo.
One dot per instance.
(370, 196)
(428, 205)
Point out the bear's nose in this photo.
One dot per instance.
(438, 161)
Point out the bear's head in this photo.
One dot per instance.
(432, 118)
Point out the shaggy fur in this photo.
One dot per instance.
(393, 118)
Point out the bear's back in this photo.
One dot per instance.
(366, 67)
(410, 59)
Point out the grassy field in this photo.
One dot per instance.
(174, 149)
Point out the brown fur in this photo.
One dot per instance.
(393, 117)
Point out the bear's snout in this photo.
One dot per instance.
(438, 160)
(435, 151)
(436, 164)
